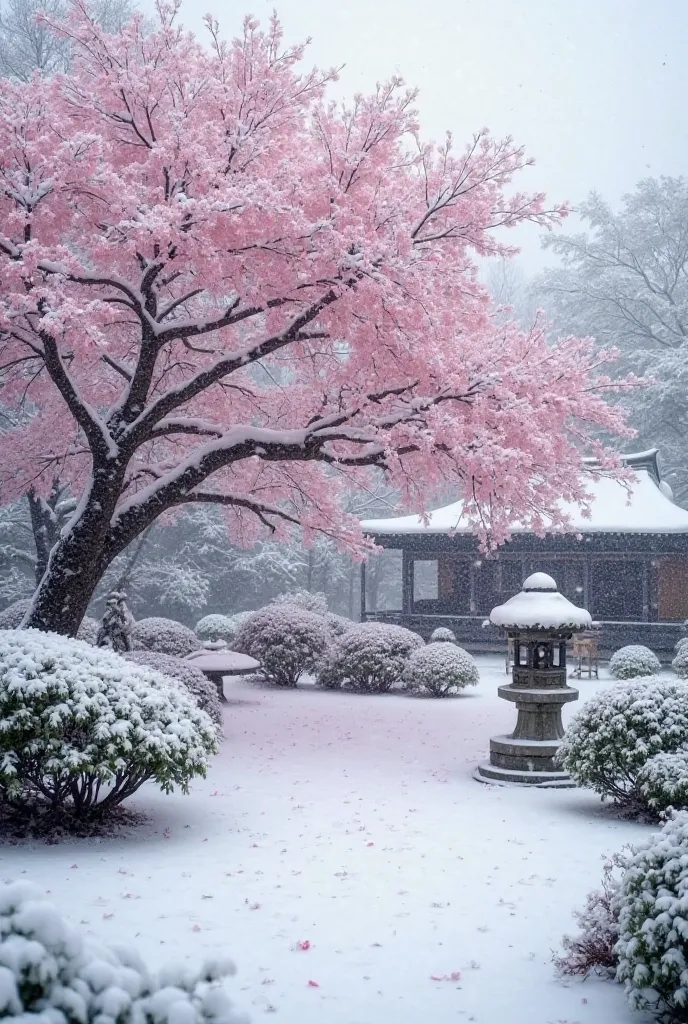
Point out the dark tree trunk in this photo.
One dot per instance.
(44, 528)
(78, 560)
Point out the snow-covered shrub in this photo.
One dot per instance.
(680, 662)
(369, 658)
(216, 627)
(115, 629)
(183, 672)
(312, 602)
(440, 669)
(663, 780)
(680, 644)
(164, 635)
(50, 974)
(592, 950)
(653, 934)
(287, 640)
(239, 618)
(82, 729)
(339, 624)
(442, 635)
(632, 661)
(88, 630)
(619, 729)
(11, 617)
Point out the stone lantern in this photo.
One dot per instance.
(538, 622)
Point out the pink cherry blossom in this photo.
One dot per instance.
(217, 285)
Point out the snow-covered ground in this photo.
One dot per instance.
(353, 825)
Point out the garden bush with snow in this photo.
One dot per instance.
(593, 949)
(287, 640)
(13, 616)
(440, 669)
(183, 672)
(165, 636)
(442, 635)
(619, 730)
(315, 601)
(369, 658)
(632, 661)
(51, 975)
(216, 627)
(653, 933)
(663, 780)
(338, 624)
(680, 662)
(81, 729)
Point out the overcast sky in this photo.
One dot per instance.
(595, 89)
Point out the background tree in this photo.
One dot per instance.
(625, 283)
(29, 44)
(174, 219)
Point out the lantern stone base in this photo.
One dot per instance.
(495, 776)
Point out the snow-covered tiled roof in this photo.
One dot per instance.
(638, 506)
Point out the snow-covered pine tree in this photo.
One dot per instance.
(115, 629)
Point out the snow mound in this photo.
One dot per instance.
(81, 727)
(51, 975)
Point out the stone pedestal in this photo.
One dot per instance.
(527, 755)
(539, 621)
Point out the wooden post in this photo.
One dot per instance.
(363, 591)
(646, 591)
(406, 583)
(586, 583)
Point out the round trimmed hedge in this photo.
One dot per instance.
(440, 669)
(179, 671)
(164, 635)
(82, 729)
(619, 730)
(287, 641)
(212, 628)
(310, 601)
(633, 661)
(442, 635)
(369, 658)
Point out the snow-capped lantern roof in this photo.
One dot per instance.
(540, 606)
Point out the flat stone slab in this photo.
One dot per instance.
(524, 747)
(495, 776)
(527, 696)
(225, 663)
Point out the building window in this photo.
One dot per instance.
(426, 585)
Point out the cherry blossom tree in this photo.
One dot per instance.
(218, 286)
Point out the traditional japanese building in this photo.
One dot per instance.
(627, 563)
